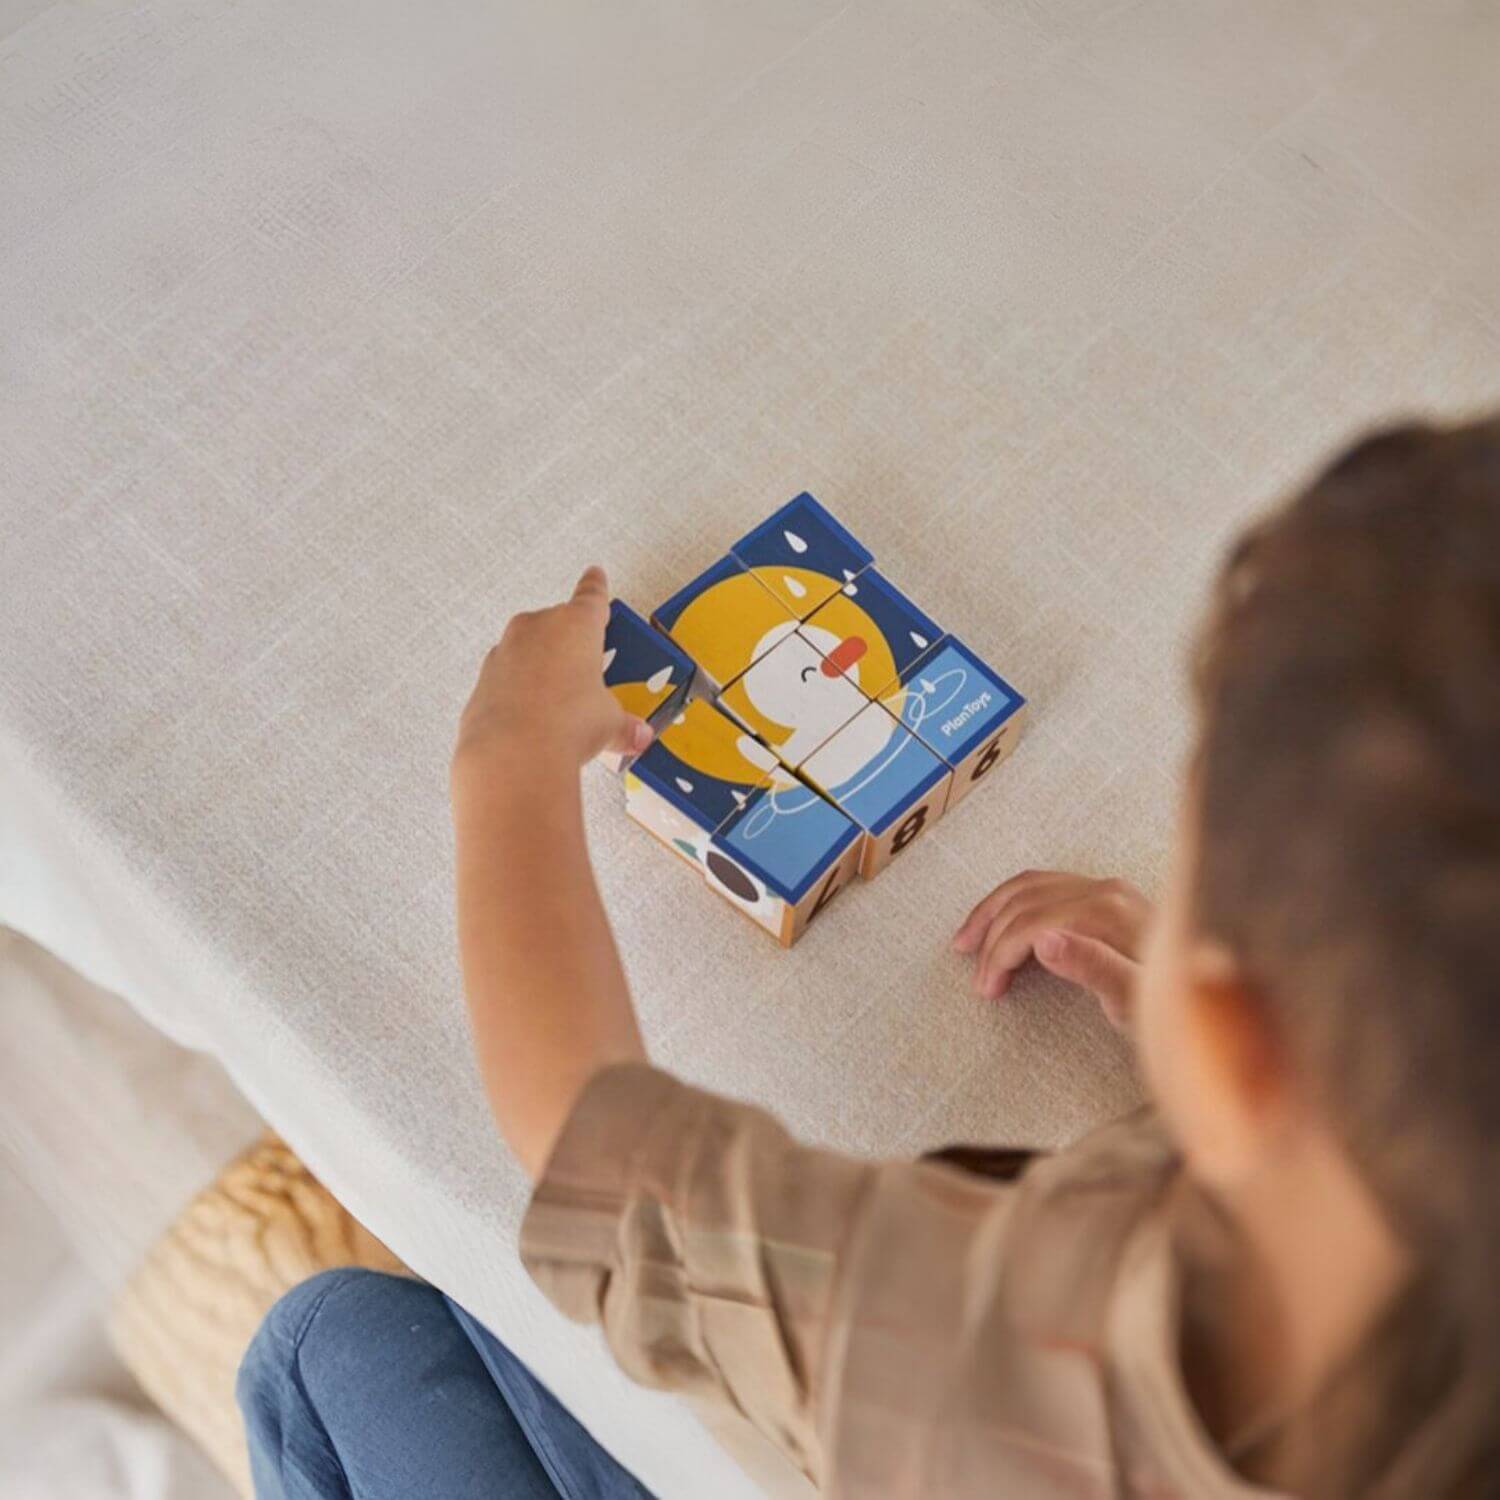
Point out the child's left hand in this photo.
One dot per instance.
(541, 688)
(1089, 931)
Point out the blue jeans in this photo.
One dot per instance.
(361, 1386)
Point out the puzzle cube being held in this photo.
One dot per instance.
(648, 674)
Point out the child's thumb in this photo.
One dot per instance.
(631, 735)
(1093, 964)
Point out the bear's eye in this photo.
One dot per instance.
(807, 672)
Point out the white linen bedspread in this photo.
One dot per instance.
(331, 333)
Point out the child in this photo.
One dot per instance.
(1282, 1280)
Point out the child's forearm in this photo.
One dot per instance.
(547, 996)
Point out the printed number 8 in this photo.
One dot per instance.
(909, 830)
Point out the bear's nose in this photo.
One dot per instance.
(844, 655)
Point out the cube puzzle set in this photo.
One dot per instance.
(811, 720)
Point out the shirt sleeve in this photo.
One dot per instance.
(900, 1328)
(706, 1242)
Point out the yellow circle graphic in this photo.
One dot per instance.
(724, 625)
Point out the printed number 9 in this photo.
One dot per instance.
(988, 759)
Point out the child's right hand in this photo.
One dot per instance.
(542, 688)
(1089, 931)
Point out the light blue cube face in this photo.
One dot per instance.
(788, 836)
(951, 700)
(875, 769)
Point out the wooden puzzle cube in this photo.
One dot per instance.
(700, 769)
(958, 707)
(793, 699)
(719, 799)
(841, 720)
(784, 856)
(885, 779)
(872, 632)
(647, 672)
(725, 619)
(802, 555)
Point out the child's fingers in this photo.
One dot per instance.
(972, 930)
(592, 589)
(1098, 908)
(1009, 942)
(1047, 899)
(983, 913)
(1093, 964)
(630, 735)
(1007, 946)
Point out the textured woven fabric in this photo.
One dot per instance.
(332, 333)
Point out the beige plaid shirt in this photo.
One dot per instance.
(903, 1329)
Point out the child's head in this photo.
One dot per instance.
(1330, 949)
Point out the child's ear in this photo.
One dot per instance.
(1237, 1055)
